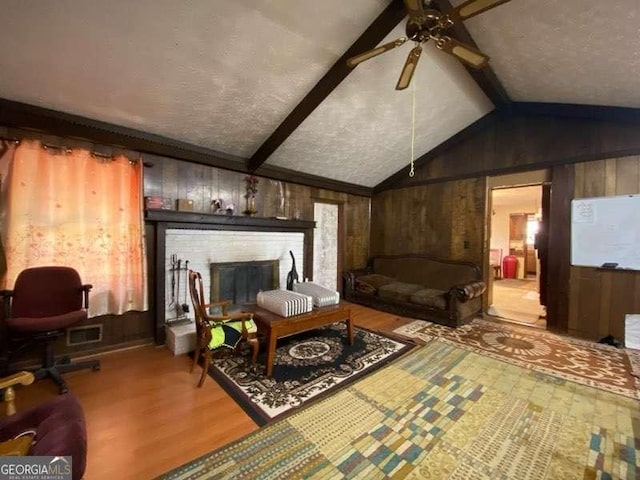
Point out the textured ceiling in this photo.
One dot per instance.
(570, 51)
(223, 74)
(362, 132)
(505, 197)
(216, 73)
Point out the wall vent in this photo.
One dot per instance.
(85, 334)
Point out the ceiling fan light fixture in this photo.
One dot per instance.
(428, 23)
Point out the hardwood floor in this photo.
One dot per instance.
(145, 414)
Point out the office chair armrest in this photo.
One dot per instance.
(7, 384)
(6, 293)
(85, 290)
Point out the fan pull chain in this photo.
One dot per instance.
(413, 124)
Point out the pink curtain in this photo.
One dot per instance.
(73, 209)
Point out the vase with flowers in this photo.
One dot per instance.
(251, 189)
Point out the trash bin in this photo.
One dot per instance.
(509, 266)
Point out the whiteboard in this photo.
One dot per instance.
(606, 229)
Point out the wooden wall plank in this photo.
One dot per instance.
(618, 294)
(627, 176)
(524, 141)
(202, 184)
(573, 322)
(439, 219)
(610, 176)
(594, 179)
(589, 302)
(605, 302)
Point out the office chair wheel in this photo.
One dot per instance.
(96, 368)
(63, 389)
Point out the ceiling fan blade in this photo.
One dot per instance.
(468, 54)
(355, 60)
(409, 68)
(414, 8)
(471, 8)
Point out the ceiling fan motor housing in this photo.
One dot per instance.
(420, 29)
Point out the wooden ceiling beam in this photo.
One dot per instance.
(34, 119)
(485, 77)
(373, 35)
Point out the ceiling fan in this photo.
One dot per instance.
(426, 24)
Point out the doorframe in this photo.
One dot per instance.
(520, 180)
(341, 236)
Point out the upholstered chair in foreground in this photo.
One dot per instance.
(55, 428)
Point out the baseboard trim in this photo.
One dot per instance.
(97, 352)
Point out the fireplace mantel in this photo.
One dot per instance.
(162, 220)
(228, 221)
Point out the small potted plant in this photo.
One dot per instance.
(251, 189)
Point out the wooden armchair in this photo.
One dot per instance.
(214, 332)
(7, 384)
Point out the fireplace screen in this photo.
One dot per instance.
(240, 282)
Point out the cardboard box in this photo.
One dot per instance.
(185, 205)
(181, 339)
(156, 202)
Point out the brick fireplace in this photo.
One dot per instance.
(206, 239)
(206, 247)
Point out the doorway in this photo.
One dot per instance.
(516, 214)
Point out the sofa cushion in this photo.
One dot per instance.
(398, 291)
(371, 283)
(430, 297)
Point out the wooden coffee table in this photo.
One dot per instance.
(274, 326)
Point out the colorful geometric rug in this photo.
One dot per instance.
(306, 366)
(442, 412)
(588, 363)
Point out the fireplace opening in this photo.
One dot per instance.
(240, 282)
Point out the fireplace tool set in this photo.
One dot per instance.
(178, 291)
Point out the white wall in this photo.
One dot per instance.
(202, 247)
(325, 245)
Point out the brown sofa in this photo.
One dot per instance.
(418, 286)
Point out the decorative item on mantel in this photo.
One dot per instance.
(251, 186)
(219, 207)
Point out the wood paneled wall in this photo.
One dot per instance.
(598, 299)
(518, 142)
(441, 219)
(444, 205)
(178, 179)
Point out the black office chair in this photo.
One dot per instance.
(43, 303)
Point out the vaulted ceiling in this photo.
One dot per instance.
(263, 83)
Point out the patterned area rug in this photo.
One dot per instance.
(306, 366)
(442, 412)
(581, 361)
